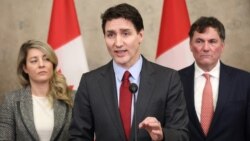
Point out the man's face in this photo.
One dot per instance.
(207, 48)
(123, 41)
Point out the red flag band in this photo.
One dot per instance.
(173, 43)
(65, 38)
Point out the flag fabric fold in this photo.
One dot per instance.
(65, 38)
(173, 43)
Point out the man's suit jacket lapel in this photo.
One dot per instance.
(225, 86)
(25, 109)
(146, 86)
(107, 85)
(189, 94)
(144, 93)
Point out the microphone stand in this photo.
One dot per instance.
(135, 117)
(133, 89)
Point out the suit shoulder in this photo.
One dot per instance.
(12, 96)
(184, 69)
(161, 68)
(187, 70)
(161, 73)
(96, 72)
(15, 94)
(236, 71)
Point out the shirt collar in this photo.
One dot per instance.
(134, 70)
(215, 72)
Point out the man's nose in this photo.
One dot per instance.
(118, 41)
(206, 46)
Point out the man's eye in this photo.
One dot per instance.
(126, 34)
(212, 41)
(199, 41)
(110, 35)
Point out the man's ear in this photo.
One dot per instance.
(141, 35)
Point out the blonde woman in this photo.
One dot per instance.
(41, 109)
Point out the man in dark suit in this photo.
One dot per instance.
(160, 104)
(228, 116)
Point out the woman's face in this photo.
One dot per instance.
(38, 67)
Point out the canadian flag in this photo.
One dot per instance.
(173, 44)
(65, 38)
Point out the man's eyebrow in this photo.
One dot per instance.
(110, 30)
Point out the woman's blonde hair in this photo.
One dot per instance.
(58, 86)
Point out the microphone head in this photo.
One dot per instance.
(133, 88)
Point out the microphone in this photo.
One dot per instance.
(133, 89)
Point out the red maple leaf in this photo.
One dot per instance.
(70, 86)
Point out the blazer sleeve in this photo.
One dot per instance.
(7, 121)
(81, 127)
(176, 113)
